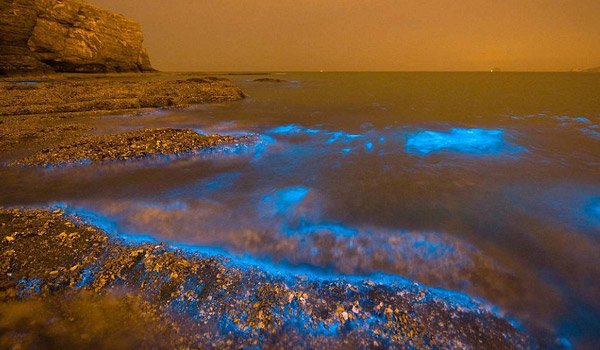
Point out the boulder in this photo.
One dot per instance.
(68, 36)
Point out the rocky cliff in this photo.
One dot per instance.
(68, 36)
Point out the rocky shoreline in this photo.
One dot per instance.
(52, 95)
(136, 144)
(68, 113)
(51, 260)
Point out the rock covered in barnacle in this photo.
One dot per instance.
(48, 257)
(109, 93)
(130, 145)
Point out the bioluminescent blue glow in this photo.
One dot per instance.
(429, 250)
(341, 136)
(248, 261)
(220, 182)
(285, 200)
(593, 209)
(29, 286)
(289, 273)
(338, 141)
(208, 186)
(331, 137)
(255, 146)
(283, 206)
(244, 259)
(171, 206)
(459, 140)
(337, 230)
(25, 82)
(591, 132)
(261, 146)
(589, 128)
(585, 125)
(87, 277)
(564, 118)
(100, 221)
(292, 129)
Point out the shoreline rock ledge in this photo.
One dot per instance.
(44, 36)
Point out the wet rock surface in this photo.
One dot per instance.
(68, 36)
(47, 111)
(73, 94)
(130, 145)
(50, 262)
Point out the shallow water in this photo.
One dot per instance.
(488, 184)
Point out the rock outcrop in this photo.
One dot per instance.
(108, 93)
(68, 36)
(49, 255)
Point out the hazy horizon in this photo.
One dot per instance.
(378, 36)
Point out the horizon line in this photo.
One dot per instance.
(259, 72)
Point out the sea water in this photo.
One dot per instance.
(482, 183)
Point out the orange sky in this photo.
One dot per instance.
(369, 35)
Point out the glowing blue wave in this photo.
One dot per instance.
(461, 140)
(246, 261)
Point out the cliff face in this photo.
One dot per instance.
(68, 36)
